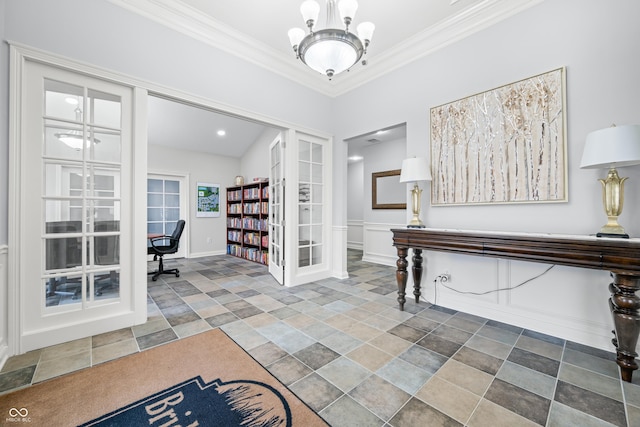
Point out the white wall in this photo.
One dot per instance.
(377, 237)
(594, 40)
(200, 167)
(255, 162)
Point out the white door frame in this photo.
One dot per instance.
(135, 227)
(183, 178)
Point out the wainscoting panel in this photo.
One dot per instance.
(378, 243)
(567, 302)
(355, 234)
(4, 343)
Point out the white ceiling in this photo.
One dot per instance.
(256, 30)
(177, 125)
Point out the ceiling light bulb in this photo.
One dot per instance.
(310, 10)
(295, 35)
(348, 10)
(365, 30)
(222, 132)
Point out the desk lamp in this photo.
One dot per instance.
(414, 170)
(616, 146)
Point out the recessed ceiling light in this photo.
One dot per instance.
(222, 132)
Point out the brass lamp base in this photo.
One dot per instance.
(612, 199)
(416, 222)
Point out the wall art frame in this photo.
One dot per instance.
(387, 192)
(505, 145)
(207, 200)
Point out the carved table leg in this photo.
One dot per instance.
(417, 273)
(624, 305)
(401, 275)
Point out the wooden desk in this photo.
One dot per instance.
(619, 256)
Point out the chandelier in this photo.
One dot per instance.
(74, 138)
(331, 50)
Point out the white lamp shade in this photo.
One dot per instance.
(365, 30)
(310, 10)
(295, 35)
(616, 146)
(348, 8)
(415, 169)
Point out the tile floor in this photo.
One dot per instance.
(351, 355)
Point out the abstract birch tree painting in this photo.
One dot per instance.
(506, 145)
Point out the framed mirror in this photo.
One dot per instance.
(386, 190)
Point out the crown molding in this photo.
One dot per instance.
(479, 17)
(189, 21)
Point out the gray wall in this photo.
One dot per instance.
(598, 43)
(4, 128)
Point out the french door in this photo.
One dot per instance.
(276, 209)
(75, 206)
(166, 204)
(300, 246)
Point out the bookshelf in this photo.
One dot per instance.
(248, 221)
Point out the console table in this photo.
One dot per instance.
(621, 257)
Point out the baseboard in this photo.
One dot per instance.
(355, 245)
(204, 254)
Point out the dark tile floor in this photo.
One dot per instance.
(352, 356)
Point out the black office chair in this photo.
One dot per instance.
(159, 249)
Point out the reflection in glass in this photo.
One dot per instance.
(304, 256)
(63, 290)
(66, 252)
(107, 145)
(316, 255)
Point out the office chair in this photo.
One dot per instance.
(159, 250)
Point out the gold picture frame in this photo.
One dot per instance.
(387, 192)
(505, 145)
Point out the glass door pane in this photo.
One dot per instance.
(81, 196)
(310, 208)
(276, 210)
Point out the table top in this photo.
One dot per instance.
(613, 254)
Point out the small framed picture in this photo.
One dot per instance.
(208, 200)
